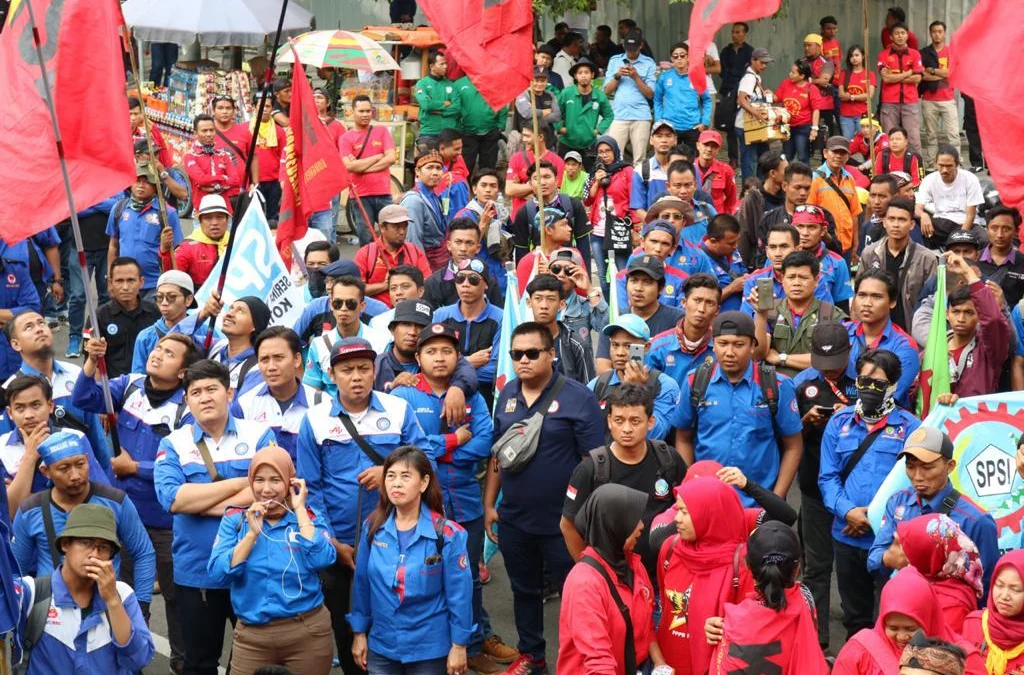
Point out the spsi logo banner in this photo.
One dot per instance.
(256, 269)
(984, 431)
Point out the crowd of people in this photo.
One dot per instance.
(327, 488)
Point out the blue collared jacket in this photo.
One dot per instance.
(823, 291)
(676, 100)
(414, 603)
(897, 341)
(665, 403)
(138, 236)
(668, 356)
(148, 338)
(12, 449)
(480, 333)
(259, 405)
(17, 293)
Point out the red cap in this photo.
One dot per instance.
(710, 136)
(806, 213)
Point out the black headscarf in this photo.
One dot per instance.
(607, 519)
(617, 163)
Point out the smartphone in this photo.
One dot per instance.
(636, 352)
(765, 293)
(825, 411)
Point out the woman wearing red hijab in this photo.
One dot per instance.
(999, 628)
(776, 625)
(937, 548)
(908, 605)
(700, 570)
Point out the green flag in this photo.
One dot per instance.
(935, 364)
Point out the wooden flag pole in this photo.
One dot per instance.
(536, 165)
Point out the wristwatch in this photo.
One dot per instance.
(164, 175)
(783, 357)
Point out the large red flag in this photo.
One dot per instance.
(82, 55)
(312, 172)
(491, 39)
(996, 86)
(708, 16)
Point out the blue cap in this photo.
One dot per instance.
(62, 445)
(632, 324)
(551, 215)
(342, 268)
(660, 225)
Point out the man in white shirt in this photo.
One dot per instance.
(948, 200)
(752, 91)
(572, 47)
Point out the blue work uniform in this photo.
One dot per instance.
(703, 212)
(726, 271)
(12, 449)
(17, 294)
(671, 294)
(242, 370)
(318, 358)
(842, 435)
(573, 426)
(138, 236)
(95, 650)
(733, 425)
(279, 579)
(643, 193)
(179, 462)
(40, 241)
(1018, 327)
(489, 322)
(976, 523)
(413, 602)
(664, 403)
(668, 356)
(32, 547)
(330, 461)
(140, 428)
(67, 415)
(835, 274)
(687, 257)
(259, 405)
(149, 336)
(318, 312)
(897, 341)
(388, 367)
(456, 464)
(823, 291)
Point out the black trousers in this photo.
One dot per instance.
(815, 528)
(688, 138)
(481, 151)
(858, 589)
(337, 586)
(974, 148)
(202, 613)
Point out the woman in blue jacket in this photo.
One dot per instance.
(271, 554)
(413, 587)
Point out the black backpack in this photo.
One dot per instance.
(36, 624)
(602, 464)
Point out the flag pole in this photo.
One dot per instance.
(240, 200)
(867, 85)
(536, 163)
(164, 223)
(90, 300)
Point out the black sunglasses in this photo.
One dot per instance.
(473, 279)
(864, 382)
(530, 354)
(348, 304)
(561, 269)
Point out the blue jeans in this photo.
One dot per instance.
(475, 548)
(748, 155)
(601, 258)
(526, 556)
(381, 665)
(323, 221)
(373, 205)
(799, 144)
(163, 56)
(97, 265)
(850, 126)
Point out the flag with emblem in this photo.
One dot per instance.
(491, 39)
(935, 379)
(707, 16)
(82, 56)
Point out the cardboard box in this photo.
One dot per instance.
(757, 131)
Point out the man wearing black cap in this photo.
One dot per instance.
(631, 77)
(967, 245)
(820, 391)
(282, 110)
(586, 112)
(645, 280)
(244, 319)
(727, 412)
(549, 113)
(543, 59)
(929, 455)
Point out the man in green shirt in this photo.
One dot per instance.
(574, 178)
(438, 99)
(586, 112)
(481, 127)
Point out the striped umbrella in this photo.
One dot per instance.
(338, 49)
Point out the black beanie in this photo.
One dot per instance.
(259, 312)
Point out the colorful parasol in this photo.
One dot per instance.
(338, 49)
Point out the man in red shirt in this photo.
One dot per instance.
(830, 48)
(901, 71)
(517, 183)
(894, 16)
(938, 101)
(713, 175)
(389, 251)
(368, 152)
(197, 255)
(266, 166)
(823, 71)
(210, 168)
(163, 153)
(231, 136)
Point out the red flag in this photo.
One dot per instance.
(312, 172)
(491, 39)
(82, 55)
(996, 87)
(708, 16)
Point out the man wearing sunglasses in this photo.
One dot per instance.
(812, 224)
(477, 322)
(585, 308)
(347, 298)
(175, 295)
(317, 317)
(546, 298)
(557, 234)
(463, 243)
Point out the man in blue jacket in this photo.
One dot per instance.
(65, 462)
(858, 449)
(17, 294)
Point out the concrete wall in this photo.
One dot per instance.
(347, 14)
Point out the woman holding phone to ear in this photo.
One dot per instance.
(271, 554)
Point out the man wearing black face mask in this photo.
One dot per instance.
(318, 255)
(858, 449)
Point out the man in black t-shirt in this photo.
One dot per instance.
(648, 466)
(125, 316)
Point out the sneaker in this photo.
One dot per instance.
(524, 665)
(484, 664)
(74, 349)
(550, 593)
(499, 651)
(485, 574)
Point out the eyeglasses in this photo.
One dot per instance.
(101, 546)
(337, 304)
(169, 298)
(864, 382)
(679, 56)
(473, 279)
(558, 270)
(530, 354)
(671, 216)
